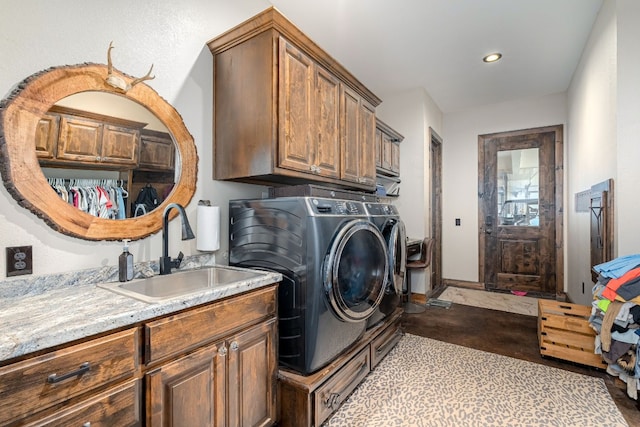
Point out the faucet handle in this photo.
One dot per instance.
(176, 262)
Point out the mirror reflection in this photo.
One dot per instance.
(25, 124)
(106, 155)
(518, 187)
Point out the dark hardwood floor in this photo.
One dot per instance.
(509, 334)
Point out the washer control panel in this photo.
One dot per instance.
(381, 209)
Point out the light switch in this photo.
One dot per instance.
(457, 222)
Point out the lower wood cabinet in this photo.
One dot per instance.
(227, 383)
(307, 401)
(69, 376)
(212, 365)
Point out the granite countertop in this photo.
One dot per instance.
(35, 322)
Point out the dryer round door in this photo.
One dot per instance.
(396, 237)
(356, 271)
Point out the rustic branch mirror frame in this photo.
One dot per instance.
(25, 181)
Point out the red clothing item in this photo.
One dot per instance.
(612, 286)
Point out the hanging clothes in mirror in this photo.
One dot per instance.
(103, 198)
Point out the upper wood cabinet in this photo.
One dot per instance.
(387, 149)
(309, 114)
(279, 109)
(157, 151)
(92, 139)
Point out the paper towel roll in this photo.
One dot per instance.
(208, 228)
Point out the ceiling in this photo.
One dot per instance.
(395, 46)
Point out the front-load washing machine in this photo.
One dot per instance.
(334, 266)
(387, 220)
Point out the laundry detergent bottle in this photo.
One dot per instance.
(125, 263)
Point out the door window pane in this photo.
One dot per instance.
(518, 173)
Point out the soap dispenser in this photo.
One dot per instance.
(125, 263)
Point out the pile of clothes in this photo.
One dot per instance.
(615, 316)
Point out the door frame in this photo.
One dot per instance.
(559, 199)
(435, 174)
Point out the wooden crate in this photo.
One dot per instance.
(564, 333)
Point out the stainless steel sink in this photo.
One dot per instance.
(177, 284)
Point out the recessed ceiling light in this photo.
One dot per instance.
(492, 57)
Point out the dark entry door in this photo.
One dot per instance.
(520, 197)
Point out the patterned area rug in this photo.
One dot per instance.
(423, 382)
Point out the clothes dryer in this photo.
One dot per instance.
(334, 266)
(387, 220)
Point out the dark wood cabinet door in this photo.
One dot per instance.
(358, 141)
(252, 376)
(120, 145)
(188, 391)
(157, 151)
(350, 128)
(295, 147)
(386, 151)
(366, 145)
(379, 143)
(47, 136)
(395, 158)
(327, 123)
(80, 140)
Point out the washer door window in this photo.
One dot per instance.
(396, 237)
(356, 271)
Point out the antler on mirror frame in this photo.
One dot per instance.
(117, 81)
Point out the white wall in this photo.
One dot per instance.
(37, 35)
(460, 171)
(628, 126)
(591, 143)
(412, 113)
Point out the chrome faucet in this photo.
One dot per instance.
(166, 263)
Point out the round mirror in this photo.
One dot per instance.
(67, 126)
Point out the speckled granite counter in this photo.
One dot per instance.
(37, 321)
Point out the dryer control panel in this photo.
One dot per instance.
(336, 207)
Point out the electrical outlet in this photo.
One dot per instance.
(19, 260)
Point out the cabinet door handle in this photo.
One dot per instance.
(391, 342)
(332, 400)
(223, 351)
(54, 378)
(234, 346)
